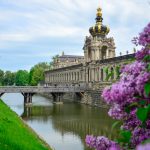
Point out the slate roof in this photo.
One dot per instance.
(70, 56)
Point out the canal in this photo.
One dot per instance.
(63, 127)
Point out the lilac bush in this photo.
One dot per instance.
(129, 100)
(143, 147)
(101, 143)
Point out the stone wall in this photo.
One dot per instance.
(91, 75)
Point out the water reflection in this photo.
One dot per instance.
(65, 126)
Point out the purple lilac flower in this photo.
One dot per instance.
(143, 147)
(91, 141)
(135, 68)
(140, 82)
(122, 94)
(131, 121)
(116, 112)
(115, 147)
(100, 143)
(142, 53)
(144, 37)
(139, 135)
(131, 83)
(148, 124)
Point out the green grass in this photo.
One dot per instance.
(15, 135)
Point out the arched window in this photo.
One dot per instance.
(89, 54)
(103, 52)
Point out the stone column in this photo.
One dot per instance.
(75, 76)
(89, 72)
(86, 75)
(93, 74)
(97, 54)
(92, 51)
(27, 98)
(107, 53)
(61, 78)
(65, 77)
(100, 54)
(99, 73)
(70, 76)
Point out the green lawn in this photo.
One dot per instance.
(15, 135)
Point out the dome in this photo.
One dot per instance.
(99, 29)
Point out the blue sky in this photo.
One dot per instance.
(32, 31)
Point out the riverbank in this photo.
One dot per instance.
(15, 135)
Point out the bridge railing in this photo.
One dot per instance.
(41, 89)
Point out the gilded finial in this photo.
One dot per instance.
(99, 29)
(99, 12)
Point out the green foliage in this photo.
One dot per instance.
(147, 88)
(148, 67)
(146, 141)
(22, 78)
(117, 71)
(15, 135)
(142, 113)
(37, 73)
(129, 107)
(1, 77)
(55, 57)
(142, 102)
(147, 58)
(116, 124)
(9, 78)
(124, 136)
(109, 74)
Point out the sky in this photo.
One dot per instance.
(33, 31)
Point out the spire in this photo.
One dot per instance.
(99, 29)
(99, 15)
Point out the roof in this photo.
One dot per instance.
(70, 56)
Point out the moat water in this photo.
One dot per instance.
(65, 126)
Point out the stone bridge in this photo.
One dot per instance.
(56, 91)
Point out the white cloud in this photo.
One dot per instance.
(27, 21)
(14, 37)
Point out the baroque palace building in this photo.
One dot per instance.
(93, 69)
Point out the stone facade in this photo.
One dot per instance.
(99, 61)
(67, 60)
(98, 48)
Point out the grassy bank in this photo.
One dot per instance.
(15, 135)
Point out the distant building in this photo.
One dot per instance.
(67, 60)
(91, 70)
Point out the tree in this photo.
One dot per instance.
(9, 78)
(1, 77)
(22, 78)
(37, 73)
